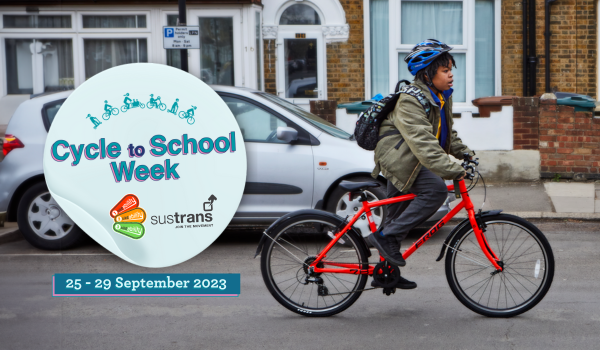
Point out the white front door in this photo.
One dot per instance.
(301, 64)
(219, 60)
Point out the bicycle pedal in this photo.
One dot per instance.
(389, 291)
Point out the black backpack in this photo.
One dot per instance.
(366, 132)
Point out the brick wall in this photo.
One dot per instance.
(324, 109)
(573, 47)
(569, 142)
(525, 123)
(270, 65)
(345, 61)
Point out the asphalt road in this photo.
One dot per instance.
(429, 317)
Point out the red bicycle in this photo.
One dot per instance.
(316, 264)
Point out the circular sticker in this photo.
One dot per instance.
(149, 161)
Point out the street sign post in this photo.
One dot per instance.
(181, 37)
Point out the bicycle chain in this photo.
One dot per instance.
(356, 291)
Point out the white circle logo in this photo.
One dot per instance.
(149, 161)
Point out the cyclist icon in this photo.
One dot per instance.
(156, 102)
(189, 115)
(109, 110)
(128, 103)
(94, 120)
(174, 107)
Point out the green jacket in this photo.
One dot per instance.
(420, 146)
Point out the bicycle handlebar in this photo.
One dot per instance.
(469, 169)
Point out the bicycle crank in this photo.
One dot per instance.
(386, 276)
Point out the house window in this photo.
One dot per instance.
(39, 65)
(472, 37)
(101, 54)
(37, 21)
(300, 15)
(216, 50)
(127, 21)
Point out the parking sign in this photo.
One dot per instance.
(181, 37)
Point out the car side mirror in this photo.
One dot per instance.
(287, 134)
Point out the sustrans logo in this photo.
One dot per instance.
(194, 220)
(177, 218)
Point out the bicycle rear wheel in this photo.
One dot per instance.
(528, 267)
(291, 248)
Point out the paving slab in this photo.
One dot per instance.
(511, 197)
(570, 189)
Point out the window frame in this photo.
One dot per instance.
(81, 29)
(73, 28)
(467, 47)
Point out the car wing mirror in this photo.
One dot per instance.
(287, 134)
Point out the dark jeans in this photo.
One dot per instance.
(402, 217)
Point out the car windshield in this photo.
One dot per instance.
(315, 120)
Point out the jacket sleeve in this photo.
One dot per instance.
(410, 119)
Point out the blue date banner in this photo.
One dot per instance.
(145, 285)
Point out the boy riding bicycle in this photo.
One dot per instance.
(413, 150)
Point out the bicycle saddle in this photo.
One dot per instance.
(355, 186)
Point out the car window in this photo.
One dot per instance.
(256, 124)
(50, 110)
(315, 120)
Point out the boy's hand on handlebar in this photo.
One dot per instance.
(462, 176)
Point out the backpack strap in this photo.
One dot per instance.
(400, 82)
(418, 94)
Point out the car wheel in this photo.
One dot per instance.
(43, 223)
(342, 205)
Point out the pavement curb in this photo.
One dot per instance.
(10, 236)
(546, 215)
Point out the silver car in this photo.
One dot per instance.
(295, 161)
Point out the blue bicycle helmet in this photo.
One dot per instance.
(424, 53)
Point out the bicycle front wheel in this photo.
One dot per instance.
(106, 116)
(291, 248)
(191, 120)
(528, 267)
(162, 106)
(115, 111)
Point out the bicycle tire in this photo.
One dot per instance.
(182, 114)
(124, 108)
(150, 105)
(106, 116)
(162, 106)
(507, 235)
(306, 235)
(115, 111)
(191, 120)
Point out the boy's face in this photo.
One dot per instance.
(444, 78)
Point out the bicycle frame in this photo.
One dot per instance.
(356, 269)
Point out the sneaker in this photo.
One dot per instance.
(388, 248)
(403, 283)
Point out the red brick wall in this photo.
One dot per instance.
(525, 123)
(270, 64)
(345, 61)
(569, 142)
(573, 46)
